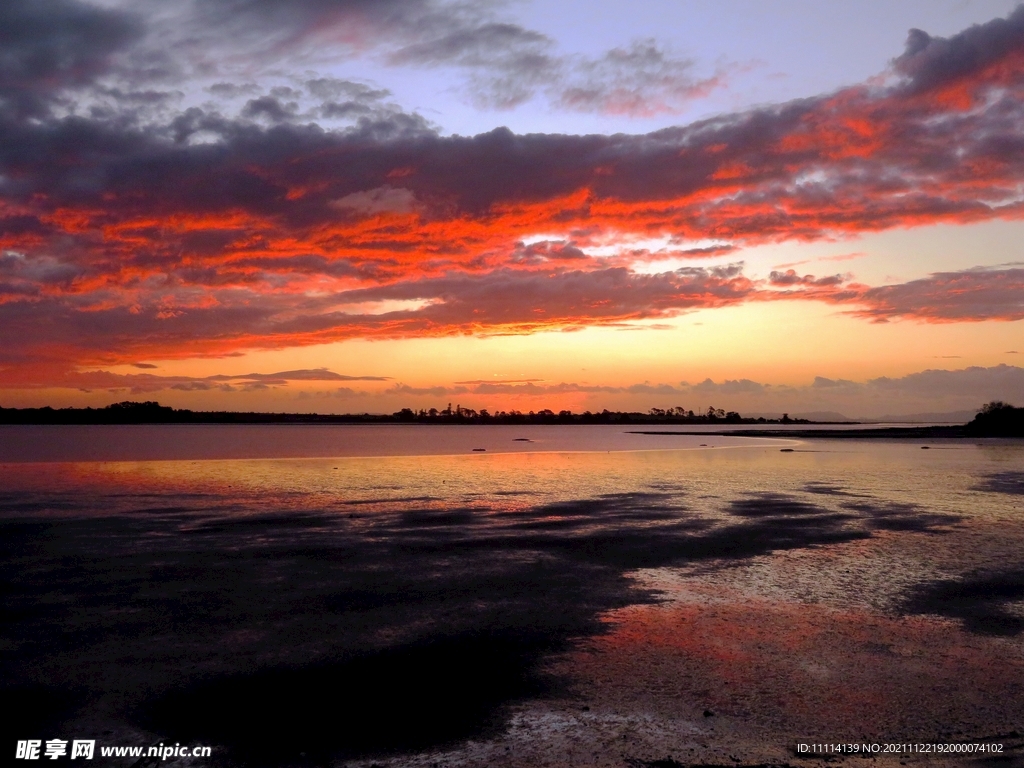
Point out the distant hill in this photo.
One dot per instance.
(826, 417)
(944, 417)
(932, 417)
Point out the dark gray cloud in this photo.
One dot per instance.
(641, 79)
(47, 45)
(270, 108)
(510, 65)
(31, 276)
(233, 90)
(931, 62)
(504, 63)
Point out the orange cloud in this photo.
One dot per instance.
(121, 242)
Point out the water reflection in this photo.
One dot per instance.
(223, 601)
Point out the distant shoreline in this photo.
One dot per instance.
(994, 420)
(1003, 421)
(154, 413)
(905, 433)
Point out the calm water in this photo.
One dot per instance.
(150, 443)
(319, 590)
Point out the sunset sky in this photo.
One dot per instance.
(364, 205)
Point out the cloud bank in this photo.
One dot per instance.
(134, 225)
(935, 391)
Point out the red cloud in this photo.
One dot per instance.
(501, 301)
(918, 151)
(125, 242)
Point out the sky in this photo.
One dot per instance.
(365, 205)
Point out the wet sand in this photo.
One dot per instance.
(738, 666)
(640, 609)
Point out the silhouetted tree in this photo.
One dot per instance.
(998, 419)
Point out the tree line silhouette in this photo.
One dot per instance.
(150, 412)
(674, 415)
(995, 419)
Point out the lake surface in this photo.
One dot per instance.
(357, 594)
(142, 442)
